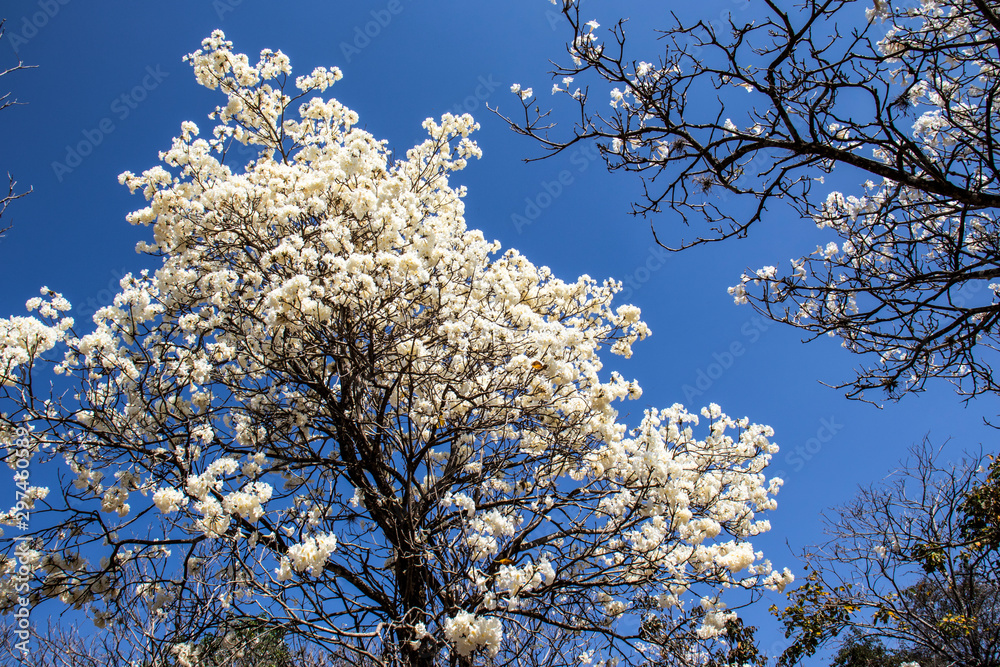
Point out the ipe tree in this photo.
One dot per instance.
(335, 411)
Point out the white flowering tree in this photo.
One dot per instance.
(336, 411)
(895, 98)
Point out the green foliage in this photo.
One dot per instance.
(910, 573)
(815, 616)
(860, 650)
(932, 557)
(250, 642)
(981, 524)
(742, 649)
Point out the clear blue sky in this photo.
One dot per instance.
(110, 83)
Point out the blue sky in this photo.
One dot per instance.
(110, 90)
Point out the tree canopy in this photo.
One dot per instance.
(895, 100)
(899, 576)
(336, 410)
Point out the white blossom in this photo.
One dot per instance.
(331, 383)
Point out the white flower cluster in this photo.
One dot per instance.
(461, 500)
(514, 583)
(23, 339)
(716, 617)
(310, 555)
(523, 93)
(469, 633)
(169, 500)
(249, 502)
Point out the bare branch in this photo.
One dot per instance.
(898, 567)
(902, 99)
(7, 101)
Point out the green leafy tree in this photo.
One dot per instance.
(859, 650)
(250, 642)
(981, 525)
(742, 647)
(897, 573)
(815, 616)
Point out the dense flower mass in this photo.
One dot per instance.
(336, 408)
